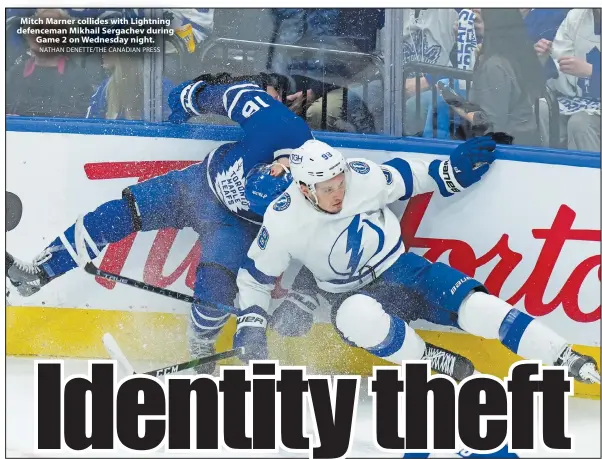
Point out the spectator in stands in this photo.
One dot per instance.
(47, 84)
(575, 56)
(507, 80)
(542, 25)
(121, 96)
(428, 37)
(468, 33)
(328, 28)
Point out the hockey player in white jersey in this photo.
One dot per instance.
(335, 220)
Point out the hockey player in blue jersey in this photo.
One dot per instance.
(335, 220)
(208, 197)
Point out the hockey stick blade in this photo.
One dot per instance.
(117, 354)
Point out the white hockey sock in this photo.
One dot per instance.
(362, 321)
(490, 317)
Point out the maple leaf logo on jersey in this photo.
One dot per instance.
(230, 185)
(417, 48)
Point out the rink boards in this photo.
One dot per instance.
(530, 230)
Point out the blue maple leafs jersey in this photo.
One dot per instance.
(269, 127)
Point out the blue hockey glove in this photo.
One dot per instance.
(183, 100)
(295, 315)
(251, 329)
(465, 166)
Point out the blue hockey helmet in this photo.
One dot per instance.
(262, 187)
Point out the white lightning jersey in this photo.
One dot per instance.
(344, 251)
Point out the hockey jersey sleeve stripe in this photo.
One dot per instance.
(237, 86)
(237, 98)
(260, 277)
(405, 170)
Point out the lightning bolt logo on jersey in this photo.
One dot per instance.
(361, 241)
(343, 251)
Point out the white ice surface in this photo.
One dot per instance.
(584, 423)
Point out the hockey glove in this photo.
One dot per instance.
(182, 100)
(251, 334)
(294, 316)
(466, 165)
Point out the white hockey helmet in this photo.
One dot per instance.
(315, 162)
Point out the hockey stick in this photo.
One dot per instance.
(117, 354)
(90, 268)
(84, 260)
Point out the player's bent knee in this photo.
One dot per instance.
(363, 322)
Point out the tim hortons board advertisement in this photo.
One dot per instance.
(532, 242)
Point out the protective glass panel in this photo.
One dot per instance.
(56, 70)
(325, 64)
(533, 74)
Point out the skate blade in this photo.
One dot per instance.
(590, 375)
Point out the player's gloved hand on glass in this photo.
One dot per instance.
(465, 166)
(471, 160)
(295, 315)
(182, 100)
(251, 328)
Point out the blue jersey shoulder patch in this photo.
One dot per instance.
(282, 203)
(388, 175)
(360, 167)
(262, 239)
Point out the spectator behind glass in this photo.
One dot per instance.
(542, 25)
(47, 84)
(428, 37)
(121, 96)
(329, 28)
(575, 62)
(507, 80)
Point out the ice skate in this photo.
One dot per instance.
(581, 367)
(201, 346)
(448, 363)
(28, 278)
